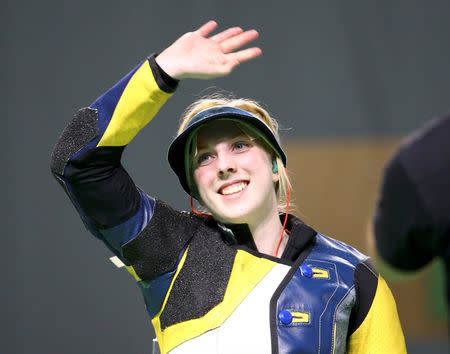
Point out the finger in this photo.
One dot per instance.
(207, 28)
(238, 41)
(245, 55)
(230, 32)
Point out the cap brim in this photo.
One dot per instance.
(176, 153)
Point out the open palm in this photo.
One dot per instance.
(195, 55)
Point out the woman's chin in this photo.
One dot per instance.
(233, 217)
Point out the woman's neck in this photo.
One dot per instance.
(266, 234)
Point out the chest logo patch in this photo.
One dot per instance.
(320, 273)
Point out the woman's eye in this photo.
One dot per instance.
(204, 159)
(241, 145)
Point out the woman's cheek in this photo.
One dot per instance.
(202, 178)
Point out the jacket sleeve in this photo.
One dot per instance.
(86, 158)
(375, 326)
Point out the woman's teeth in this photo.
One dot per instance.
(234, 188)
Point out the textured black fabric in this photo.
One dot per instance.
(364, 274)
(242, 235)
(81, 129)
(202, 282)
(164, 80)
(102, 187)
(157, 248)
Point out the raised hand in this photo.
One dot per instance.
(197, 56)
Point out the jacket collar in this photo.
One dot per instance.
(301, 235)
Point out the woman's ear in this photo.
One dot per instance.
(275, 170)
(274, 166)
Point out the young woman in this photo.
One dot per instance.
(242, 275)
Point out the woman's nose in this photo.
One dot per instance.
(225, 165)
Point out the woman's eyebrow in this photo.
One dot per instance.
(231, 138)
(201, 150)
(243, 136)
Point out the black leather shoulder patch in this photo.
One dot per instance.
(156, 250)
(82, 129)
(202, 282)
(366, 282)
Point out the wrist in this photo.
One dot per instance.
(165, 82)
(168, 66)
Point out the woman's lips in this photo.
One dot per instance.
(233, 188)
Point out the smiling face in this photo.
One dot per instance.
(233, 174)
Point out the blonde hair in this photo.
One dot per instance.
(283, 186)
